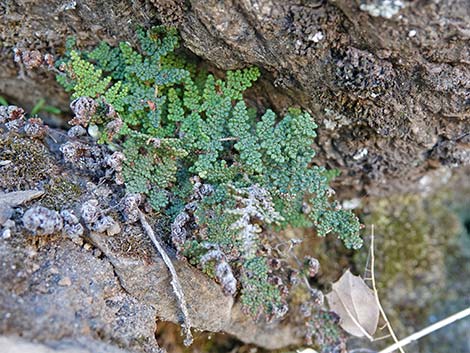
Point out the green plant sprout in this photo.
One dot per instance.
(41, 106)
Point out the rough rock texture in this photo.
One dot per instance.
(13, 344)
(388, 93)
(209, 309)
(59, 285)
(389, 81)
(37, 25)
(59, 290)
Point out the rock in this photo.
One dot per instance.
(71, 295)
(65, 282)
(149, 280)
(269, 336)
(395, 85)
(6, 233)
(14, 199)
(12, 344)
(209, 309)
(5, 213)
(17, 198)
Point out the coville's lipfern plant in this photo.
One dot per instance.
(227, 175)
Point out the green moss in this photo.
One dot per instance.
(61, 192)
(30, 163)
(411, 234)
(415, 236)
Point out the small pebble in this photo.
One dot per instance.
(9, 224)
(6, 234)
(65, 282)
(76, 131)
(317, 37)
(114, 229)
(94, 131)
(54, 270)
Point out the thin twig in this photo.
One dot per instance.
(427, 330)
(354, 320)
(366, 269)
(374, 287)
(223, 139)
(382, 337)
(174, 279)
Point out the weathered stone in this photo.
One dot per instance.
(396, 85)
(13, 199)
(69, 294)
(13, 344)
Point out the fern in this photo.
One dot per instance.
(182, 126)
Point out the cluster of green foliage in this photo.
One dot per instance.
(180, 122)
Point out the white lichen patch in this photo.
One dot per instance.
(317, 37)
(42, 221)
(382, 8)
(360, 154)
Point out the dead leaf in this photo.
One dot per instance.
(355, 304)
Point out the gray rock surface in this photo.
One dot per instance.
(13, 344)
(60, 289)
(13, 199)
(145, 277)
(388, 81)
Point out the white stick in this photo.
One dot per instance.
(174, 279)
(426, 331)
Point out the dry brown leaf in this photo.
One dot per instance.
(355, 304)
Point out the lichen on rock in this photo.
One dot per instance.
(42, 221)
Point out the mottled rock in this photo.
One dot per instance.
(13, 199)
(391, 76)
(209, 308)
(62, 291)
(13, 344)
(149, 280)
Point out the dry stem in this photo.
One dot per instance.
(427, 330)
(186, 325)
